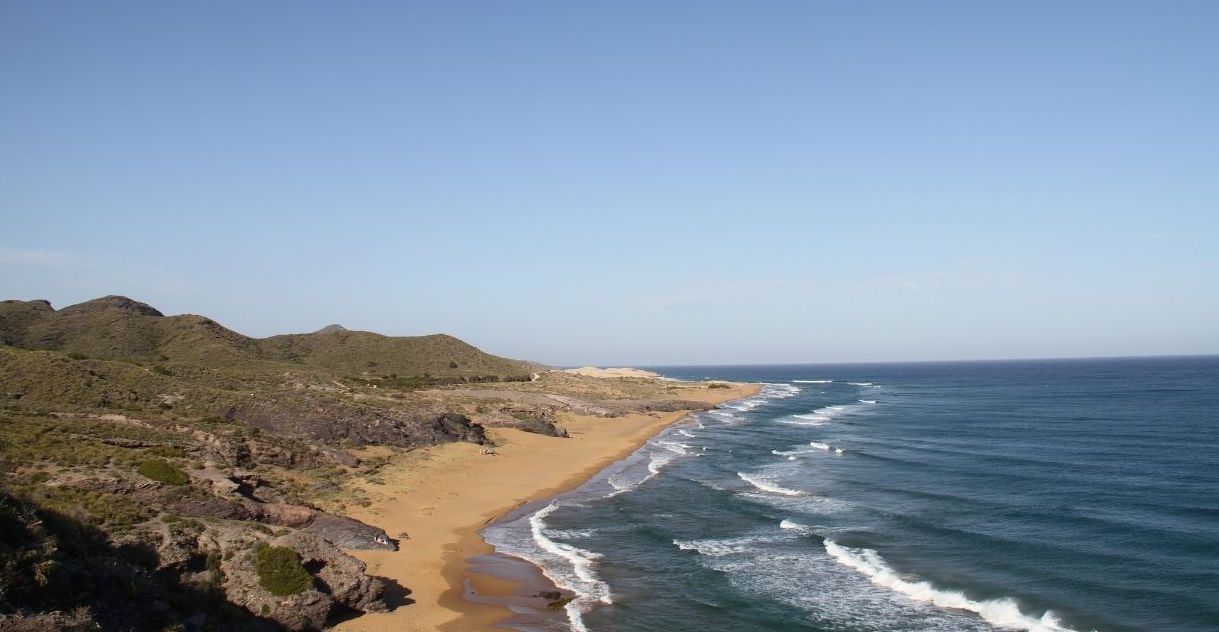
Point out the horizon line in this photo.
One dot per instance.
(874, 362)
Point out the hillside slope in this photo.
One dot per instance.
(119, 328)
(149, 462)
(153, 456)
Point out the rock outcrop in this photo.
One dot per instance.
(339, 583)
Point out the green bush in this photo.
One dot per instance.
(718, 385)
(161, 369)
(280, 570)
(168, 451)
(76, 355)
(161, 470)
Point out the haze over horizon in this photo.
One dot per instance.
(635, 184)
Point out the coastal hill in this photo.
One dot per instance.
(160, 472)
(118, 328)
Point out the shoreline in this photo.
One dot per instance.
(443, 496)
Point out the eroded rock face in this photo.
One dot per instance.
(348, 533)
(340, 585)
(339, 575)
(526, 419)
(221, 555)
(447, 427)
(239, 497)
(334, 422)
(338, 530)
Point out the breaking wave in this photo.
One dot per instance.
(1002, 613)
(581, 578)
(792, 525)
(817, 417)
(767, 485)
(725, 546)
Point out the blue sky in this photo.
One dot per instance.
(628, 182)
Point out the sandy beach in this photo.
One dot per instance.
(441, 496)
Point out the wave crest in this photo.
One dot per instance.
(582, 579)
(767, 485)
(1002, 613)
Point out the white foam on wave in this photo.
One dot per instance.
(572, 534)
(805, 503)
(818, 417)
(792, 525)
(813, 381)
(686, 433)
(725, 546)
(819, 445)
(1002, 613)
(823, 415)
(867, 401)
(833, 596)
(659, 454)
(622, 485)
(679, 449)
(581, 579)
(790, 454)
(725, 416)
(861, 383)
(778, 390)
(768, 485)
(769, 391)
(744, 405)
(658, 461)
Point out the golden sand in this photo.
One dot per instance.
(441, 496)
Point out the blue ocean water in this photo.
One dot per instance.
(1025, 495)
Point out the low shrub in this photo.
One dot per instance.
(168, 451)
(163, 471)
(280, 570)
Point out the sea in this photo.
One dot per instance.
(1040, 495)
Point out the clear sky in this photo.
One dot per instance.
(628, 182)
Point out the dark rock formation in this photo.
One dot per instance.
(348, 533)
(526, 419)
(340, 586)
(332, 422)
(447, 427)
